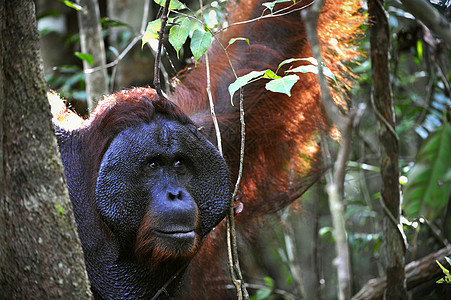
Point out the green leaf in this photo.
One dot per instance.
(262, 294)
(271, 5)
(444, 270)
(326, 233)
(305, 69)
(282, 85)
(178, 34)
(231, 41)
(420, 49)
(268, 281)
(200, 42)
(271, 75)
(174, 5)
(313, 69)
(242, 81)
(151, 31)
(289, 279)
(71, 5)
(86, 57)
(107, 22)
(427, 191)
(311, 60)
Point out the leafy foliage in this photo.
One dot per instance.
(200, 41)
(173, 5)
(151, 31)
(429, 184)
(86, 57)
(178, 34)
(277, 83)
(447, 278)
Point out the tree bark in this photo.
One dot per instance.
(417, 272)
(394, 244)
(40, 254)
(426, 13)
(91, 41)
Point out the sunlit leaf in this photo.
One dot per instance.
(200, 42)
(71, 5)
(311, 60)
(271, 75)
(174, 5)
(270, 5)
(444, 270)
(231, 41)
(282, 85)
(427, 191)
(86, 57)
(178, 34)
(420, 49)
(313, 69)
(242, 81)
(151, 31)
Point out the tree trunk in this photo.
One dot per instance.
(40, 254)
(91, 41)
(136, 64)
(394, 244)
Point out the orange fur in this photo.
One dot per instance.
(281, 131)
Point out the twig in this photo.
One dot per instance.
(255, 286)
(293, 266)
(279, 13)
(164, 19)
(234, 264)
(232, 251)
(168, 282)
(212, 105)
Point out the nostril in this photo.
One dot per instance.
(175, 195)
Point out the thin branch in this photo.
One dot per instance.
(168, 282)
(290, 248)
(232, 249)
(146, 9)
(92, 43)
(335, 181)
(234, 263)
(212, 105)
(164, 20)
(255, 286)
(279, 13)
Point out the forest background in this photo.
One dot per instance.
(294, 256)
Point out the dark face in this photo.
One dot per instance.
(165, 183)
